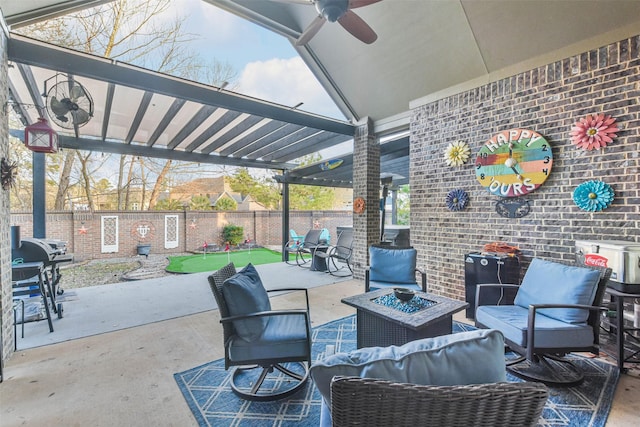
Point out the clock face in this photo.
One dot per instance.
(514, 162)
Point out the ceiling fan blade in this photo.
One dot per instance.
(58, 108)
(311, 31)
(360, 3)
(357, 27)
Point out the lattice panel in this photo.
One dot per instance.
(109, 234)
(171, 234)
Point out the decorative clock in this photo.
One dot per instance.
(514, 162)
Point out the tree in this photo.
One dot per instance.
(132, 31)
(403, 205)
(225, 203)
(263, 191)
(23, 180)
(200, 203)
(311, 197)
(168, 205)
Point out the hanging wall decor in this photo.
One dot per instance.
(457, 200)
(513, 208)
(9, 171)
(358, 205)
(514, 162)
(593, 196)
(594, 131)
(457, 153)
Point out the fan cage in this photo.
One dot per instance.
(66, 109)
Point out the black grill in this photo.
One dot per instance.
(51, 252)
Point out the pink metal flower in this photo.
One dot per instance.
(594, 131)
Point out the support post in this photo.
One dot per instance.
(39, 196)
(366, 184)
(285, 215)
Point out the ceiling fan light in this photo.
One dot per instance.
(41, 137)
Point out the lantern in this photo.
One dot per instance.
(41, 137)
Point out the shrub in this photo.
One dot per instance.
(233, 234)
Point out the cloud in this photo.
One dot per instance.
(287, 82)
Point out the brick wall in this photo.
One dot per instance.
(366, 184)
(194, 228)
(548, 100)
(6, 310)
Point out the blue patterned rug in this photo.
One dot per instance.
(207, 391)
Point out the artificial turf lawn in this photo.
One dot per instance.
(216, 260)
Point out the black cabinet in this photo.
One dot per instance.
(479, 268)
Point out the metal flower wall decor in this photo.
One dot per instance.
(9, 171)
(593, 196)
(457, 153)
(457, 200)
(594, 131)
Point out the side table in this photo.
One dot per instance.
(623, 331)
(318, 263)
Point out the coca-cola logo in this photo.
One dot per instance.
(595, 260)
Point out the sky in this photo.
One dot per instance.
(267, 65)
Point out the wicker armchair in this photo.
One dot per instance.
(384, 403)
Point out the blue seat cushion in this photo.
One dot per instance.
(396, 266)
(550, 332)
(444, 360)
(284, 336)
(547, 282)
(245, 294)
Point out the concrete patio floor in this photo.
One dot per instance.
(122, 374)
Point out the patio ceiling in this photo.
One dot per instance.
(144, 113)
(394, 163)
(426, 50)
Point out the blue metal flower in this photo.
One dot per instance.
(457, 199)
(593, 196)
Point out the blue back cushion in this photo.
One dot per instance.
(392, 265)
(473, 357)
(548, 282)
(245, 294)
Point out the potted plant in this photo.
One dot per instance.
(144, 249)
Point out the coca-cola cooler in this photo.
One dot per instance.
(486, 268)
(621, 256)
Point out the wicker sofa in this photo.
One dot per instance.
(385, 403)
(455, 361)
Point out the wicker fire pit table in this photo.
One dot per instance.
(383, 320)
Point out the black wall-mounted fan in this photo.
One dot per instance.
(340, 11)
(69, 104)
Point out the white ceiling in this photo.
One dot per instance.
(430, 47)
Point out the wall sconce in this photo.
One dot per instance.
(41, 137)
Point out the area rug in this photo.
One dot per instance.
(208, 394)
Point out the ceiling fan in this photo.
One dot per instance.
(340, 11)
